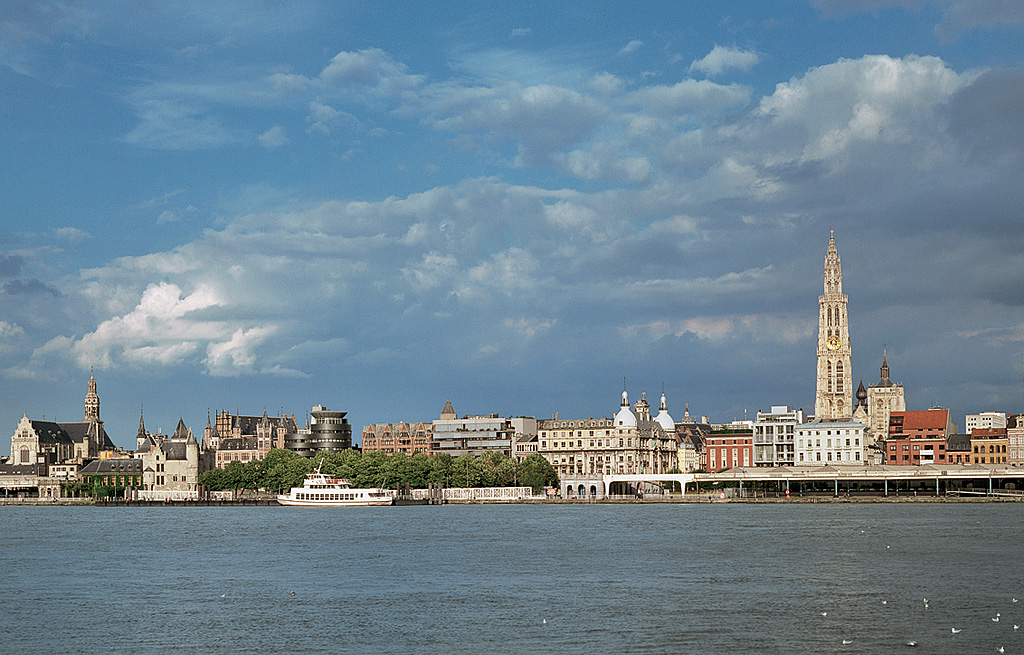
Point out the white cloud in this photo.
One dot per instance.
(10, 330)
(688, 96)
(235, 356)
(274, 137)
(631, 47)
(166, 328)
(372, 72)
(541, 118)
(72, 234)
(721, 59)
(167, 216)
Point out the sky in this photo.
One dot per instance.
(378, 206)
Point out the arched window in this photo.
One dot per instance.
(25, 456)
(839, 377)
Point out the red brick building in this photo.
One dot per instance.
(918, 437)
(726, 450)
(391, 438)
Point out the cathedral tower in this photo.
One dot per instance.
(92, 401)
(835, 379)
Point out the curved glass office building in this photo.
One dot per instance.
(329, 431)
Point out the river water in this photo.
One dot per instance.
(722, 578)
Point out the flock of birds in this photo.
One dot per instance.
(953, 630)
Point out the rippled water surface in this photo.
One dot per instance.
(723, 578)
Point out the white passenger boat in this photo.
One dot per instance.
(321, 490)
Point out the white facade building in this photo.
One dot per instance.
(984, 420)
(774, 436)
(832, 442)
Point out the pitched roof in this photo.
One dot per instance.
(923, 419)
(50, 432)
(82, 430)
(448, 411)
(98, 466)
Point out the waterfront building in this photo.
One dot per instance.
(173, 463)
(958, 449)
(582, 450)
(690, 451)
(883, 398)
(327, 431)
(60, 442)
(476, 435)
(37, 443)
(112, 473)
(835, 379)
(832, 442)
(774, 443)
(402, 437)
(240, 438)
(731, 449)
(989, 445)
(918, 437)
(984, 420)
(526, 445)
(1015, 439)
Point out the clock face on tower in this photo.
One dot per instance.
(832, 343)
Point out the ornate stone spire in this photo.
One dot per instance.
(142, 426)
(885, 365)
(92, 400)
(834, 378)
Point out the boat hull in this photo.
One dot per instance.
(372, 502)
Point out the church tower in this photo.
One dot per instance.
(884, 398)
(835, 379)
(92, 401)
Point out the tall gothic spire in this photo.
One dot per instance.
(142, 426)
(834, 379)
(92, 400)
(833, 268)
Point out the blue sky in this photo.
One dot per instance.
(380, 206)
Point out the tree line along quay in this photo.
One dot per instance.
(281, 470)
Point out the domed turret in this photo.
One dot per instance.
(625, 418)
(664, 419)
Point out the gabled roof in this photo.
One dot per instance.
(923, 419)
(51, 433)
(82, 430)
(958, 443)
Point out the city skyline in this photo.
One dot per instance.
(512, 209)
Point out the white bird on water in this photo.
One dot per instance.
(544, 621)
(911, 643)
(1013, 600)
(824, 613)
(1016, 626)
(955, 631)
(1002, 650)
(885, 602)
(847, 642)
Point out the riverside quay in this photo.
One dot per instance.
(935, 479)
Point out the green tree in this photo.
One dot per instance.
(214, 479)
(537, 473)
